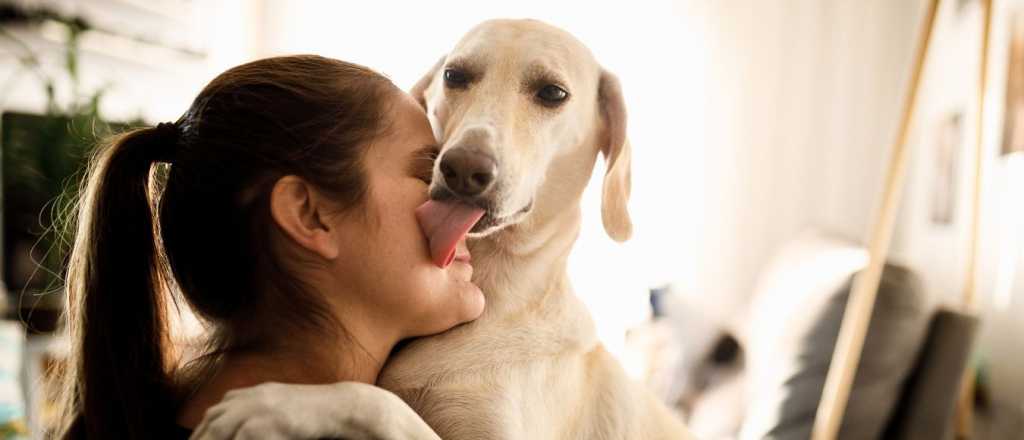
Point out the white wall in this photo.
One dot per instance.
(802, 101)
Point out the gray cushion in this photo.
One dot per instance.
(795, 318)
(928, 404)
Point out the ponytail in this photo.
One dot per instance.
(117, 383)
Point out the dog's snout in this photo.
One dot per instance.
(468, 172)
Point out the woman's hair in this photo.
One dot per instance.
(207, 235)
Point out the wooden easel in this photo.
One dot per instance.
(861, 302)
(965, 405)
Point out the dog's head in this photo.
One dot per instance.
(515, 104)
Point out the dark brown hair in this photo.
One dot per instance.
(299, 115)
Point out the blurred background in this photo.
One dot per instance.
(762, 131)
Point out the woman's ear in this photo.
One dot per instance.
(298, 209)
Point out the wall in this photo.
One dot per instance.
(802, 103)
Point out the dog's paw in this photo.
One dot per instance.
(270, 410)
(349, 410)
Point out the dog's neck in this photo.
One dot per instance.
(518, 268)
(523, 267)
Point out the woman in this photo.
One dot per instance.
(286, 222)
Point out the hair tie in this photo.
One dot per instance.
(167, 134)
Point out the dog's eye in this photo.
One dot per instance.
(455, 78)
(552, 94)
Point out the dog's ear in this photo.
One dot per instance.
(618, 158)
(422, 87)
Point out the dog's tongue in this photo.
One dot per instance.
(444, 224)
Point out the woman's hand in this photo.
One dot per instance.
(349, 410)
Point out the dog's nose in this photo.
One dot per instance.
(468, 172)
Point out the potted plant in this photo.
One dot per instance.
(42, 158)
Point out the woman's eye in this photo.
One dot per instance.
(455, 79)
(552, 95)
(422, 165)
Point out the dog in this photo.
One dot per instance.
(523, 110)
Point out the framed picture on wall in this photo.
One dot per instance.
(945, 167)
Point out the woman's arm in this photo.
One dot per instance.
(349, 410)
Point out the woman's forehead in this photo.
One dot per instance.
(410, 132)
(411, 124)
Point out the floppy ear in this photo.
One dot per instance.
(618, 158)
(419, 90)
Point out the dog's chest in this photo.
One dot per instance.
(515, 403)
(501, 379)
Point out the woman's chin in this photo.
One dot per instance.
(474, 301)
(466, 304)
(461, 302)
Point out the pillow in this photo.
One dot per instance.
(795, 314)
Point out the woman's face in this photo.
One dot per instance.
(385, 262)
